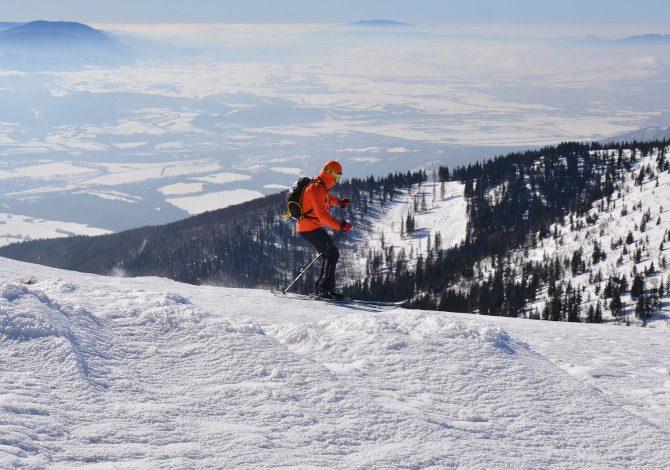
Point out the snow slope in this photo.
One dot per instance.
(445, 214)
(608, 226)
(148, 373)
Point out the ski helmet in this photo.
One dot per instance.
(331, 173)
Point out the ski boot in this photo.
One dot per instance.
(333, 294)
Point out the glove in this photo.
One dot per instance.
(345, 226)
(344, 202)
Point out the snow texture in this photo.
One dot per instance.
(148, 373)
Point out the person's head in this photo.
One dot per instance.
(330, 173)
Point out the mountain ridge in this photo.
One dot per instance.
(4, 25)
(647, 38)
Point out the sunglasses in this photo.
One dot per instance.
(337, 176)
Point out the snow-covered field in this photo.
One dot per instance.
(18, 228)
(212, 201)
(148, 373)
(48, 181)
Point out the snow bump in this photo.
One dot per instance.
(27, 314)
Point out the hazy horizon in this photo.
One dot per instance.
(179, 119)
(647, 13)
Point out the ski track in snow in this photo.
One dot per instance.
(148, 373)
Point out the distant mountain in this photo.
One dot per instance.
(378, 23)
(7, 25)
(642, 135)
(47, 43)
(647, 39)
(52, 34)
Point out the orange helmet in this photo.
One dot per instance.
(331, 173)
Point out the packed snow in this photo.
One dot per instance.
(103, 372)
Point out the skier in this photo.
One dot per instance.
(316, 202)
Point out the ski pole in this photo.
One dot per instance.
(310, 265)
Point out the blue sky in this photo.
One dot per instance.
(652, 14)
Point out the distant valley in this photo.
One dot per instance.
(111, 127)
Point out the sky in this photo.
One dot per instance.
(651, 14)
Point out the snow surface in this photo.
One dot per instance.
(103, 372)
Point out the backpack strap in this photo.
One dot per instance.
(298, 203)
(304, 214)
(320, 181)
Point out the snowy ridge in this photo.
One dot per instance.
(634, 218)
(148, 373)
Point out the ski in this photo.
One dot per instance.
(344, 301)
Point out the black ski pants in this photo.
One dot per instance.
(325, 245)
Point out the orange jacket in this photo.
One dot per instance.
(316, 202)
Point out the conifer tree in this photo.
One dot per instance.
(591, 314)
(616, 306)
(637, 288)
(598, 318)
